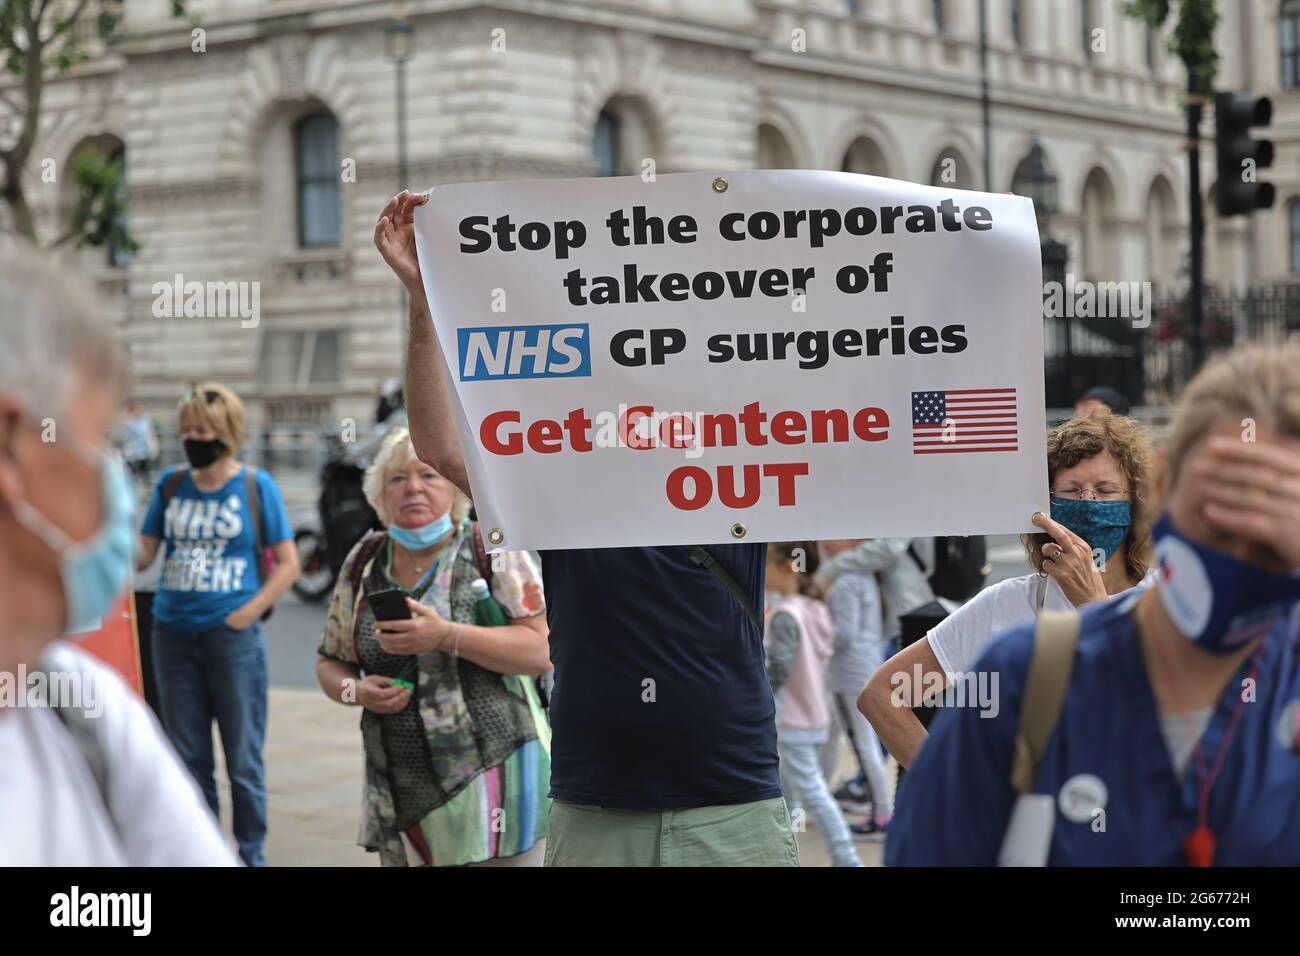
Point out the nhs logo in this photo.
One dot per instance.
(524, 351)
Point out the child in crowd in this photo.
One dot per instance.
(854, 601)
(799, 646)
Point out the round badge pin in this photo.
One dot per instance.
(1186, 591)
(1288, 727)
(1081, 796)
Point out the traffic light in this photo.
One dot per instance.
(1238, 192)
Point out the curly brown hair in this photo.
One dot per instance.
(1086, 437)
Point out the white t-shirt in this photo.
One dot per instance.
(959, 639)
(54, 814)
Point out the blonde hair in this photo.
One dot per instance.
(395, 450)
(1085, 437)
(1259, 382)
(215, 406)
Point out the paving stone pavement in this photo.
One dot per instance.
(314, 765)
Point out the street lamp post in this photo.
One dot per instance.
(1196, 292)
(398, 37)
(1035, 180)
(985, 104)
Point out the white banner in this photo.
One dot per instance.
(761, 356)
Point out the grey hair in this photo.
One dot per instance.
(395, 450)
(50, 327)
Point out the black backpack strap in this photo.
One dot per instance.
(920, 565)
(172, 483)
(711, 564)
(366, 550)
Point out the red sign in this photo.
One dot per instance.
(114, 642)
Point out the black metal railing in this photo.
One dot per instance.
(1151, 358)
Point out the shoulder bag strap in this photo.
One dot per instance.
(707, 561)
(1056, 635)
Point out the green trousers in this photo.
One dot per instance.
(745, 834)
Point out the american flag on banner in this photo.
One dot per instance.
(964, 420)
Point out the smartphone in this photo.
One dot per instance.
(389, 605)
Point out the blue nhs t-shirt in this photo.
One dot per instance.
(210, 565)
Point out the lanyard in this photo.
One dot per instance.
(1198, 846)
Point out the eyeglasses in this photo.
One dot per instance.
(1102, 492)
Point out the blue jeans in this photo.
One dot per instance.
(219, 674)
(802, 781)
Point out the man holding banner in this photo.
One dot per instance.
(643, 380)
(664, 746)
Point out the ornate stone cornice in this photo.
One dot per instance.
(478, 168)
(222, 188)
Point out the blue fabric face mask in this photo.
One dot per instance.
(1216, 601)
(95, 573)
(1103, 524)
(425, 536)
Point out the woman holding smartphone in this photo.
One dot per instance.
(457, 746)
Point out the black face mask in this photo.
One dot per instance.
(203, 453)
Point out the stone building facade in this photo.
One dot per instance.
(261, 149)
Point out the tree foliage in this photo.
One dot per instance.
(1192, 38)
(43, 40)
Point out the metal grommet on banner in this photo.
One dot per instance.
(738, 530)
(720, 184)
(496, 536)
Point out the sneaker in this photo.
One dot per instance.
(870, 828)
(854, 797)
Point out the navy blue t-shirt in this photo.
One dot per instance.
(661, 697)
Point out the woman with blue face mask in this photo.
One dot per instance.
(457, 745)
(1173, 736)
(1096, 543)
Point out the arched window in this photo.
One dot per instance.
(1288, 32)
(96, 209)
(604, 144)
(118, 257)
(936, 11)
(1017, 14)
(774, 150)
(951, 169)
(864, 157)
(1098, 237)
(1293, 219)
(624, 138)
(1163, 234)
(317, 155)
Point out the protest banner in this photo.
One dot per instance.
(114, 642)
(760, 356)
